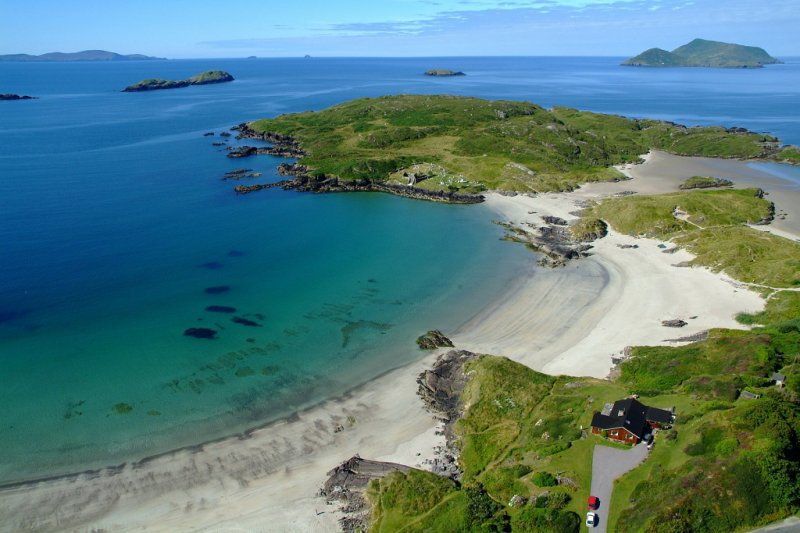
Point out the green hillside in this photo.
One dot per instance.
(469, 144)
(704, 53)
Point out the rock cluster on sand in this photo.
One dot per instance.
(434, 339)
(346, 485)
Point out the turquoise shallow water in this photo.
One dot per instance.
(114, 222)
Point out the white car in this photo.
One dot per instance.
(591, 519)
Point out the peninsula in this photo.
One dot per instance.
(85, 55)
(703, 53)
(204, 78)
(459, 145)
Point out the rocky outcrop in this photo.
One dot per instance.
(302, 179)
(434, 339)
(241, 173)
(346, 485)
(441, 388)
(557, 243)
(242, 151)
(305, 182)
(555, 221)
(674, 323)
(9, 96)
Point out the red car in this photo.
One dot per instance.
(594, 503)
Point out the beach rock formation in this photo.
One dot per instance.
(204, 78)
(434, 339)
(346, 485)
(443, 73)
(9, 96)
(441, 388)
(557, 243)
(674, 323)
(556, 221)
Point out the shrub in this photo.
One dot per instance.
(544, 479)
(480, 506)
(532, 519)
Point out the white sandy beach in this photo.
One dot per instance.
(552, 320)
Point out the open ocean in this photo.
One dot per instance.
(114, 222)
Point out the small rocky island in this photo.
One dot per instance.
(155, 84)
(9, 96)
(443, 73)
(703, 53)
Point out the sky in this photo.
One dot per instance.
(290, 28)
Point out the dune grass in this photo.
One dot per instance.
(655, 215)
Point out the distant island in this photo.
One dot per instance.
(155, 84)
(16, 97)
(439, 72)
(703, 53)
(85, 55)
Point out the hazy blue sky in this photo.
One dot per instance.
(215, 28)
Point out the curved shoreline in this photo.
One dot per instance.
(271, 474)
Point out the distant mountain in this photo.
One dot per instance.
(86, 55)
(703, 53)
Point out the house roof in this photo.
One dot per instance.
(654, 414)
(777, 376)
(632, 415)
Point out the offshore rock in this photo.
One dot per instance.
(434, 339)
(9, 96)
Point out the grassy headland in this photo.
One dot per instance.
(473, 144)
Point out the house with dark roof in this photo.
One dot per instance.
(629, 421)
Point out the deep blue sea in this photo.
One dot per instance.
(114, 222)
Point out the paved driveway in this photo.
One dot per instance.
(790, 525)
(607, 465)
